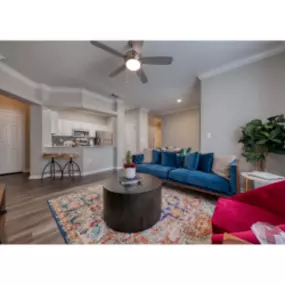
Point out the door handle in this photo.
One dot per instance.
(3, 212)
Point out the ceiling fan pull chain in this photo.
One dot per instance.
(127, 76)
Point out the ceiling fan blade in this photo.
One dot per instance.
(142, 76)
(117, 71)
(106, 48)
(157, 60)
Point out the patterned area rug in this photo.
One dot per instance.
(185, 219)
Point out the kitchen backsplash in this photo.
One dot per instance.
(59, 140)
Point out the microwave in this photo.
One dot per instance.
(103, 138)
(80, 133)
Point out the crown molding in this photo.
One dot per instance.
(144, 110)
(98, 96)
(241, 62)
(14, 73)
(176, 111)
(41, 86)
(64, 90)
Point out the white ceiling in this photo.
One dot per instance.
(79, 64)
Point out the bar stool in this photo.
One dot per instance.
(70, 164)
(52, 165)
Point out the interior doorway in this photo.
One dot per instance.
(154, 132)
(131, 137)
(14, 135)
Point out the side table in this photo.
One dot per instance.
(250, 179)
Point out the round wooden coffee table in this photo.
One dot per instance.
(132, 208)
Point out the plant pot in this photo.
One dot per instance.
(130, 172)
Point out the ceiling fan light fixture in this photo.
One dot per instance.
(133, 64)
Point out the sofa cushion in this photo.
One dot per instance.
(144, 167)
(161, 171)
(191, 160)
(157, 170)
(156, 156)
(168, 158)
(180, 160)
(222, 165)
(138, 158)
(147, 152)
(235, 216)
(201, 179)
(206, 162)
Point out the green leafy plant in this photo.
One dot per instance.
(261, 138)
(129, 161)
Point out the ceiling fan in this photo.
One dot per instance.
(133, 60)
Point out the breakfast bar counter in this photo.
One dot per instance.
(91, 159)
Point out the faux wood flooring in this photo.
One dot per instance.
(29, 220)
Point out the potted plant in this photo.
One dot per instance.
(129, 166)
(259, 139)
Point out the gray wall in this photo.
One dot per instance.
(36, 145)
(181, 129)
(231, 99)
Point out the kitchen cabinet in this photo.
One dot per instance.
(53, 122)
(50, 123)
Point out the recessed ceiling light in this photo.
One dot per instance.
(179, 100)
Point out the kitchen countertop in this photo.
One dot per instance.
(82, 146)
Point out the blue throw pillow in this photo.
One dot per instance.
(206, 162)
(180, 160)
(156, 156)
(138, 158)
(168, 158)
(191, 160)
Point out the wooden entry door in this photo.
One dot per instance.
(11, 142)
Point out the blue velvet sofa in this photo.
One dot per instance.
(193, 170)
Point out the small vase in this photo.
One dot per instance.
(130, 172)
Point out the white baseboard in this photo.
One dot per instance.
(97, 171)
(31, 177)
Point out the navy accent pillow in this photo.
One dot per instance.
(168, 158)
(138, 158)
(191, 160)
(206, 162)
(156, 156)
(180, 160)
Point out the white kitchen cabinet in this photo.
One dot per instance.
(54, 122)
(60, 127)
(67, 127)
(76, 125)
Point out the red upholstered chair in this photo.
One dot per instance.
(236, 214)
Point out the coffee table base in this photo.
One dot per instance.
(132, 213)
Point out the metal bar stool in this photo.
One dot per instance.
(71, 164)
(52, 165)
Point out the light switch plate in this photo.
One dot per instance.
(209, 135)
(2, 57)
